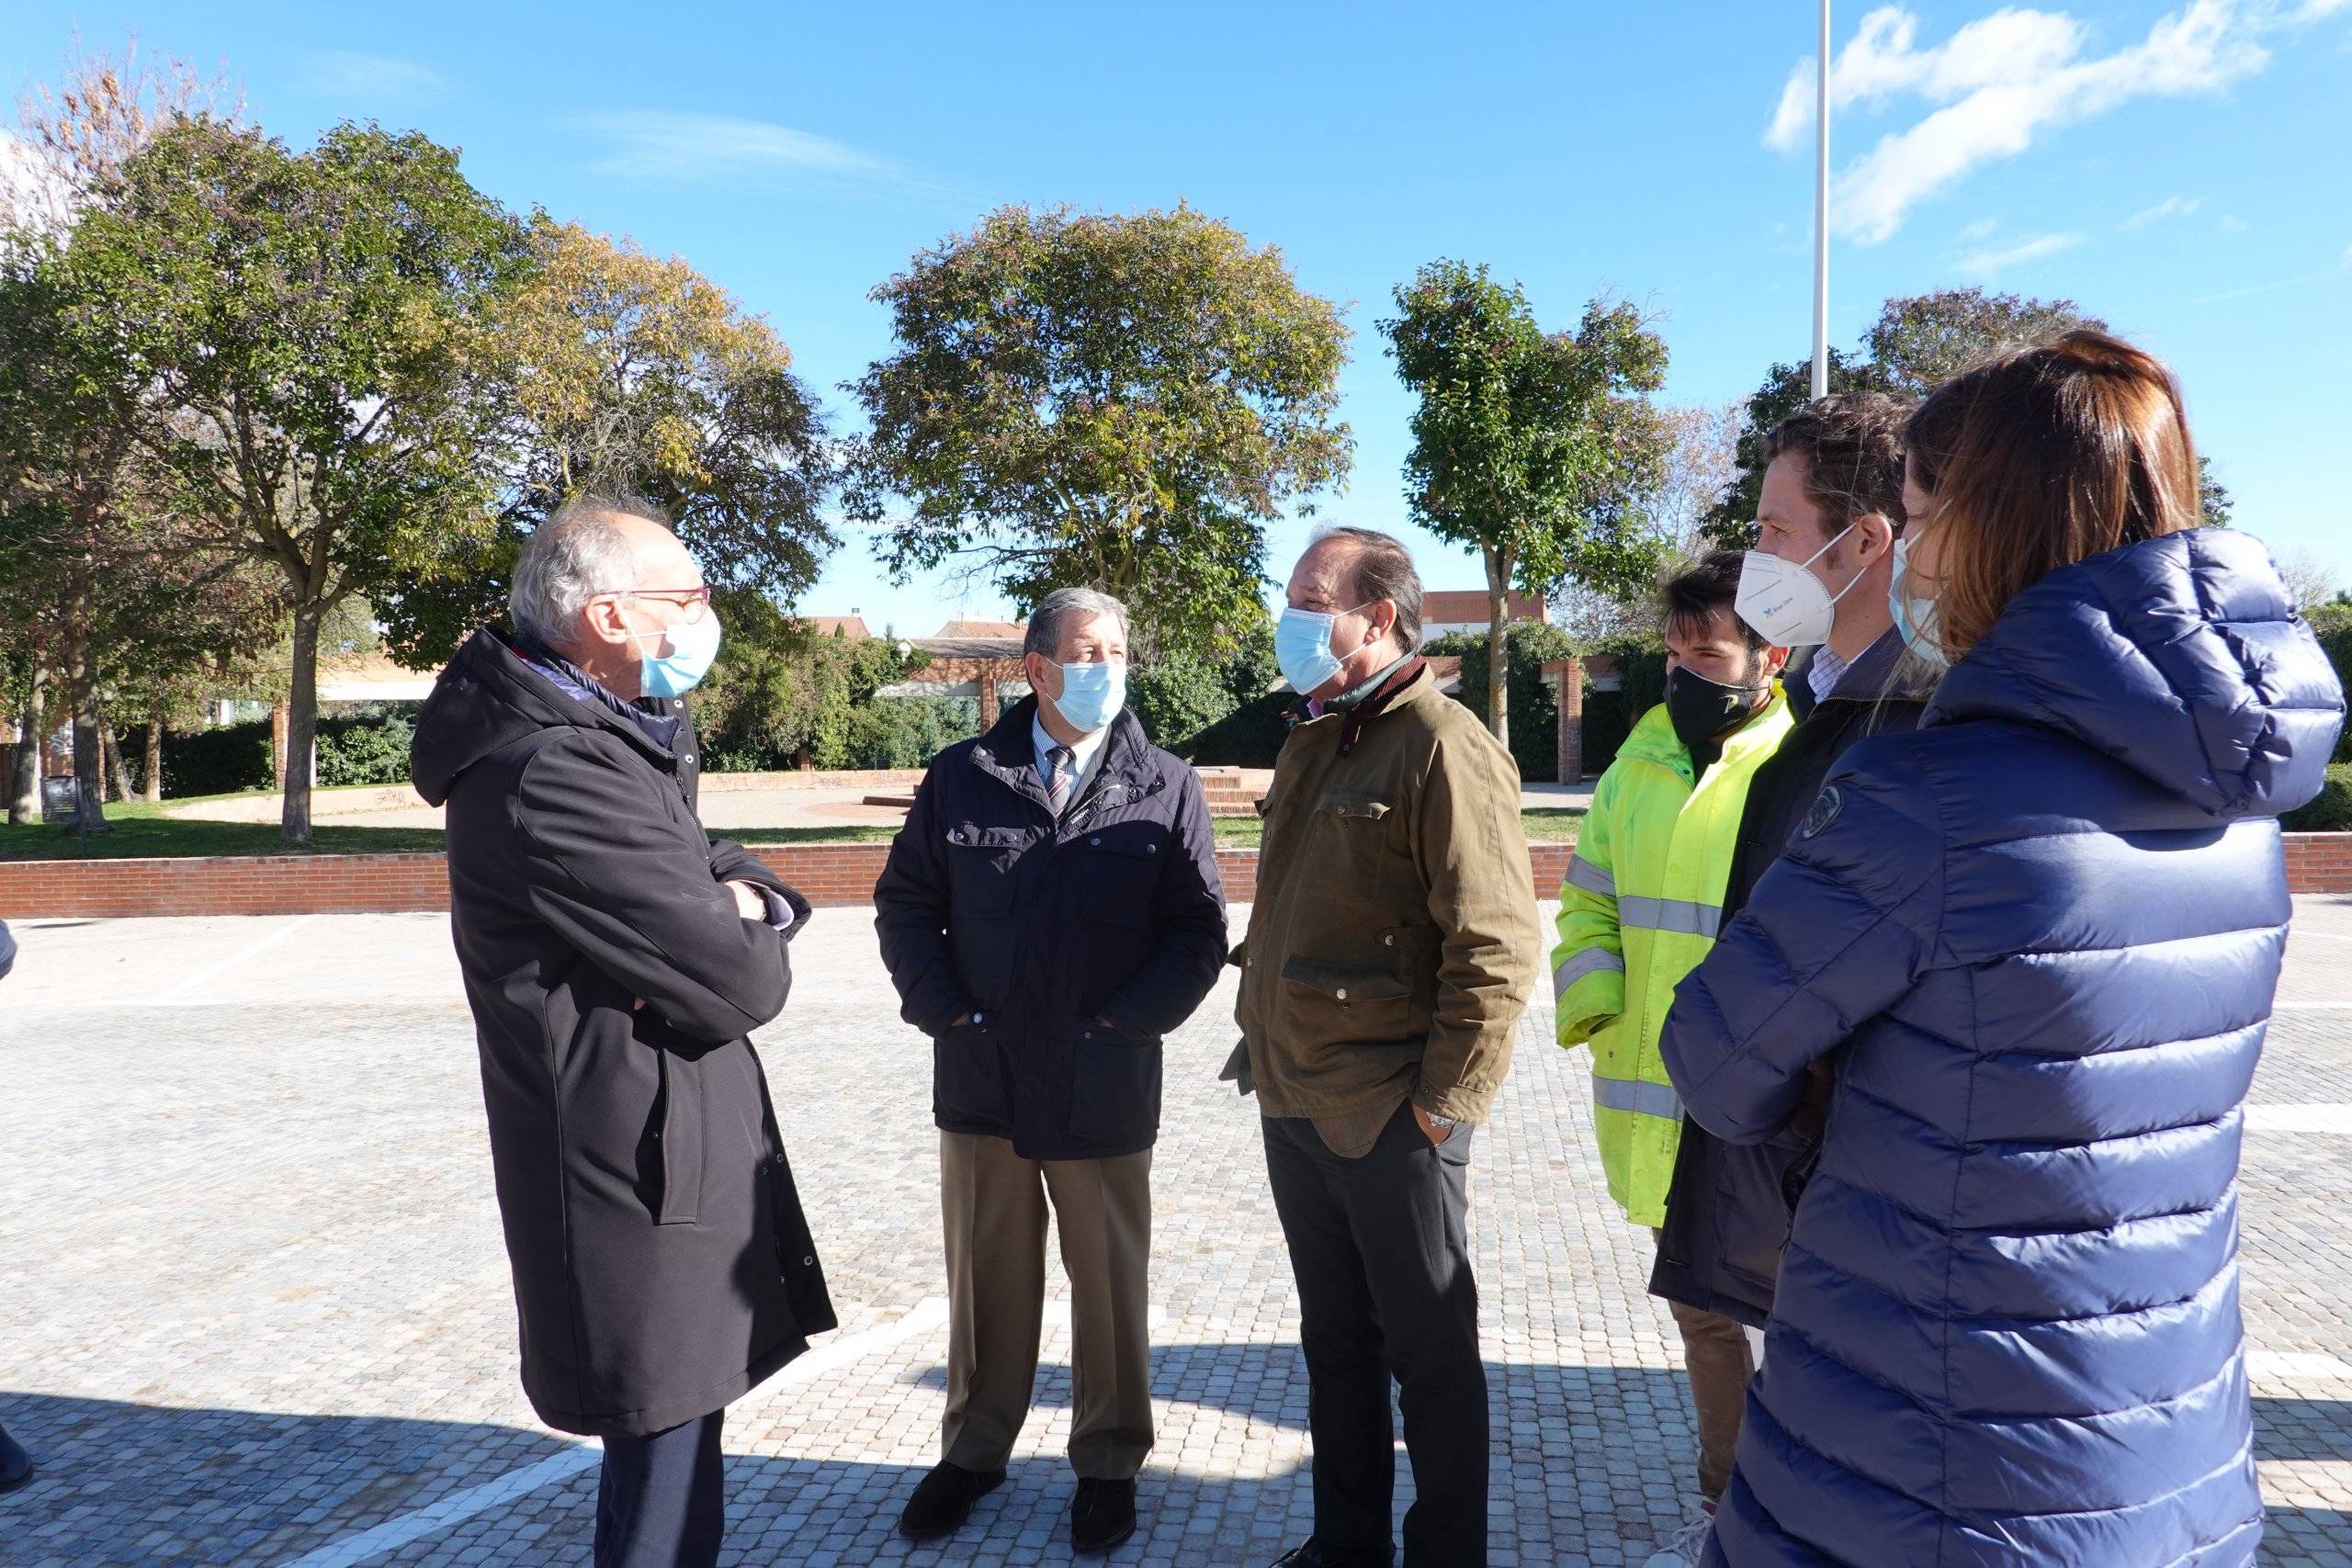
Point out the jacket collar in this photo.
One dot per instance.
(1653, 741)
(1389, 693)
(1887, 670)
(661, 728)
(1008, 754)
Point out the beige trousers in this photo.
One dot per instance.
(993, 1202)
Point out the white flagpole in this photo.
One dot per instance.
(1821, 216)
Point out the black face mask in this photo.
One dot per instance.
(1705, 710)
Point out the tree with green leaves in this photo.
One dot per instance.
(1917, 343)
(93, 560)
(624, 372)
(1121, 402)
(308, 321)
(1537, 448)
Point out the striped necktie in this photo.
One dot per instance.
(1057, 763)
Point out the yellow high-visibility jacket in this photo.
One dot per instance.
(1638, 910)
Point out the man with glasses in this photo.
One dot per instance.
(616, 961)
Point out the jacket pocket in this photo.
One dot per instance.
(1115, 1085)
(980, 863)
(678, 1130)
(967, 1074)
(1118, 872)
(1335, 1004)
(1348, 850)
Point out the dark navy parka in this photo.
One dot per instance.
(1073, 945)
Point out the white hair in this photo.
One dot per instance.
(575, 555)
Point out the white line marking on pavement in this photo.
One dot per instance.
(2296, 1364)
(397, 1532)
(2313, 1007)
(212, 971)
(2325, 1117)
(2331, 936)
(393, 1533)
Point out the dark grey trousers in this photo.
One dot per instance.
(661, 1501)
(1381, 1250)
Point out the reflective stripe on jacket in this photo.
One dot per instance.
(1640, 907)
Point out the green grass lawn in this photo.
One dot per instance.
(138, 829)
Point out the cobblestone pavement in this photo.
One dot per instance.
(253, 1307)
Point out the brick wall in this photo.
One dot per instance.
(830, 875)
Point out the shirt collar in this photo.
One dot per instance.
(1082, 750)
(1824, 672)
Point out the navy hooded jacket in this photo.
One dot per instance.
(2044, 931)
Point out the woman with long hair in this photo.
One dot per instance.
(2037, 940)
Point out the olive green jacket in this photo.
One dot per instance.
(1394, 940)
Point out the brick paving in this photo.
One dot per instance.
(253, 1307)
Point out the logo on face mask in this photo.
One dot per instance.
(1703, 711)
(1784, 601)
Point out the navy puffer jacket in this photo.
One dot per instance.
(2041, 934)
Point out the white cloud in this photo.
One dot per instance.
(1981, 229)
(2170, 207)
(343, 73)
(1990, 263)
(2233, 224)
(651, 144)
(2314, 9)
(1993, 87)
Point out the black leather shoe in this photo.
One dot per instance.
(1103, 1515)
(944, 1500)
(16, 1465)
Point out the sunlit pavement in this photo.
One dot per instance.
(253, 1307)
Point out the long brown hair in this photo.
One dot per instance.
(2037, 458)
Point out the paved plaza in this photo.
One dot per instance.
(253, 1306)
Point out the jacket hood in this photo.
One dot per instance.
(2182, 657)
(487, 699)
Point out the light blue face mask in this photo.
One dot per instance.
(693, 646)
(1303, 647)
(1915, 618)
(1093, 695)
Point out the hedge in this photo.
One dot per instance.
(217, 761)
(2332, 812)
(2334, 624)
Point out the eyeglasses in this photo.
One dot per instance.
(693, 602)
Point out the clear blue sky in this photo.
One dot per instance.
(2183, 171)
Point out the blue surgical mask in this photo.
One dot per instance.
(1915, 618)
(693, 646)
(1303, 647)
(1093, 695)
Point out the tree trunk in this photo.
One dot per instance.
(151, 778)
(81, 682)
(24, 796)
(118, 776)
(301, 726)
(1497, 647)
